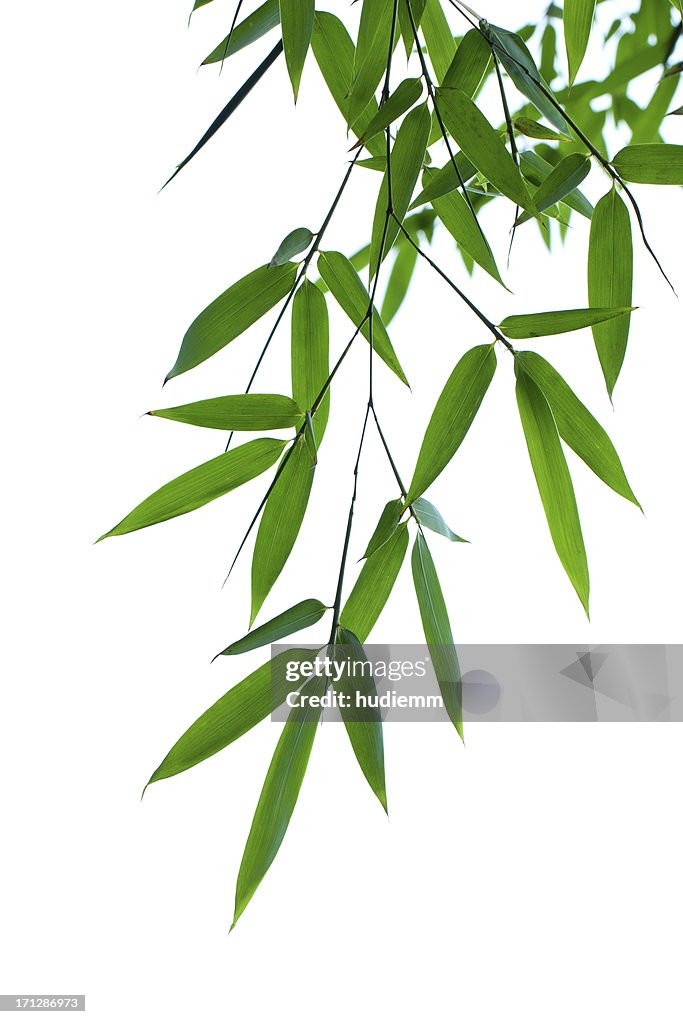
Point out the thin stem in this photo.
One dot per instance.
(229, 35)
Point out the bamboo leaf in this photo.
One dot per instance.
(453, 415)
(347, 288)
(310, 353)
(554, 482)
(657, 164)
(430, 517)
(233, 715)
(251, 28)
(202, 484)
(278, 796)
(610, 281)
(577, 426)
(470, 64)
(446, 180)
(371, 56)
(386, 527)
(438, 37)
(540, 325)
(417, 9)
(232, 313)
(280, 524)
(297, 28)
(456, 216)
(403, 98)
(363, 723)
(299, 616)
(399, 281)
(562, 180)
(578, 20)
(534, 130)
(237, 412)
(481, 143)
(296, 241)
(437, 630)
(536, 170)
(406, 163)
(374, 585)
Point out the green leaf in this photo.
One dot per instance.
(297, 29)
(562, 180)
(232, 313)
(577, 426)
(446, 179)
(347, 288)
(371, 57)
(453, 415)
(658, 164)
(437, 630)
(280, 524)
(470, 64)
(540, 325)
(299, 616)
(386, 527)
(438, 37)
(363, 724)
(296, 241)
(406, 163)
(202, 484)
(430, 517)
(403, 98)
(374, 585)
(310, 353)
(554, 482)
(456, 216)
(237, 412)
(278, 796)
(482, 144)
(578, 20)
(399, 281)
(514, 55)
(535, 130)
(251, 28)
(233, 715)
(535, 169)
(417, 8)
(610, 280)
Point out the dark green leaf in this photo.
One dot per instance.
(446, 179)
(430, 517)
(417, 9)
(399, 281)
(540, 325)
(470, 64)
(310, 352)
(296, 241)
(374, 585)
(371, 57)
(386, 527)
(610, 280)
(437, 630)
(297, 28)
(237, 412)
(253, 27)
(202, 484)
(455, 214)
(232, 313)
(578, 20)
(453, 415)
(299, 616)
(403, 98)
(562, 180)
(535, 169)
(651, 165)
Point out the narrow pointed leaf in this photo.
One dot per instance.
(237, 412)
(578, 20)
(370, 63)
(610, 280)
(297, 28)
(280, 524)
(536, 170)
(417, 9)
(430, 517)
(658, 164)
(438, 37)
(577, 426)
(534, 130)
(310, 353)
(562, 180)
(299, 616)
(470, 64)
(233, 715)
(278, 796)
(232, 313)
(363, 724)
(402, 99)
(554, 482)
(453, 415)
(446, 179)
(296, 241)
(347, 288)
(251, 28)
(386, 527)
(399, 281)
(456, 216)
(374, 585)
(540, 325)
(202, 484)
(437, 630)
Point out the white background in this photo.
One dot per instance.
(535, 874)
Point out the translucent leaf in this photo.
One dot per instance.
(297, 29)
(578, 20)
(299, 616)
(540, 325)
(429, 516)
(310, 353)
(296, 241)
(374, 585)
(237, 412)
(610, 280)
(251, 28)
(651, 164)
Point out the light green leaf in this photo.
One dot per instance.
(371, 56)
(562, 180)
(658, 164)
(202, 484)
(540, 325)
(297, 29)
(386, 527)
(399, 280)
(233, 715)
(455, 214)
(278, 796)
(437, 630)
(374, 585)
(251, 28)
(296, 241)
(577, 426)
(417, 8)
(446, 179)
(470, 64)
(280, 524)
(406, 163)
(430, 517)
(535, 130)
(363, 724)
(299, 616)
(310, 353)
(237, 412)
(403, 98)
(232, 313)
(347, 288)
(578, 20)
(482, 144)
(610, 280)
(453, 415)
(535, 169)
(438, 37)
(554, 482)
